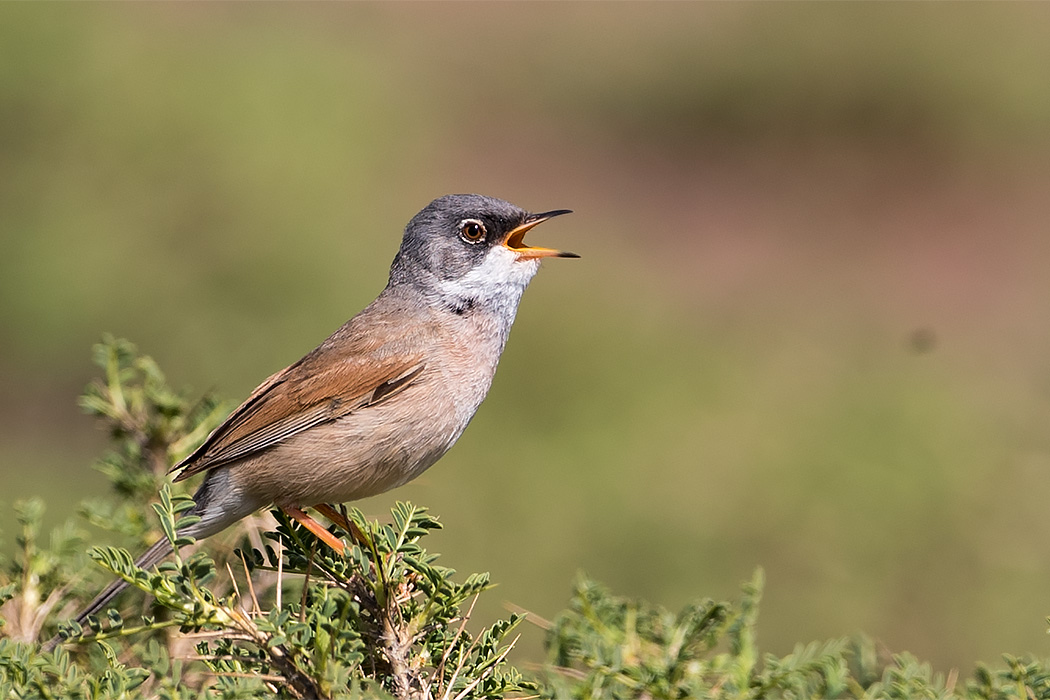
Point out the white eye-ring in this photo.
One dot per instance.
(472, 231)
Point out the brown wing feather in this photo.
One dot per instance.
(330, 382)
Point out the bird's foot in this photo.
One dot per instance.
(342, 521)
(317, 528)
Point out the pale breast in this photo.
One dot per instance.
(382, 446)
(371, 450)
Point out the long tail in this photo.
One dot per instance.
(147, 560)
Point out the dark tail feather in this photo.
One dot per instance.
(147, 560)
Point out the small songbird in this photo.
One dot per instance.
(386, 395)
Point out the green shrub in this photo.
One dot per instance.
(285, 616)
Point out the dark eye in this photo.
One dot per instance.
(472, 230)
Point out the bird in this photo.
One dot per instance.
(382, 398)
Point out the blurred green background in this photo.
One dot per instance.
(810, 329)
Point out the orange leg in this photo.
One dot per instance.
(336, 517)
(315, 527)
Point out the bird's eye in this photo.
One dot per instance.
(472, 230)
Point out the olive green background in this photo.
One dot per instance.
(810, 329)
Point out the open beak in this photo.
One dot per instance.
(515, 240)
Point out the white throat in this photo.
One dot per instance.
(500, 279)
(493, 288)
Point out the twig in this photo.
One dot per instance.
(251, 586)
(459, 632)
(459, 666)
(233, 581)
(260, 676)
(306, 581)
(280, 571)
(531, 617)
(488, 671)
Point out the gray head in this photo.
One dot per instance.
(467, 246)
